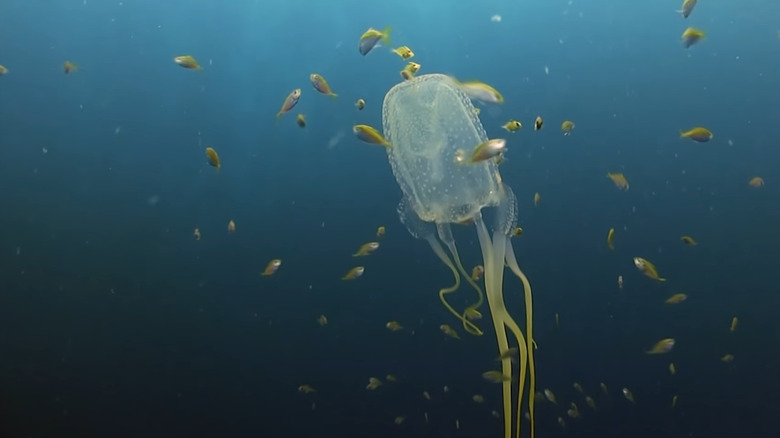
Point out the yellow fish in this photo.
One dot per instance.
(610, 238)
(380, 231)
(538, 123)
(369, 135)
(371, 38)
(478, 398)
(691, 36)
(354, 273)
(619, 179)
(399, 419)
(688, 240)
(449, 331)
(289, 102)
(567, 127)
(69, 67)
(480, 91)
(676, 299)
(472, 314)
(306, 389)
(734, 322)
(477, 272)
(672, 368)
(484, 151)
(496, 377)
(213, 158)
(360, 104)
(550, 396)
(517, 232)
(187, 62)
(647, 268)
(231, 227)
(756, 182)
(271, 267)
(322, 320)
(320, 84)
(301, 121)
(687, 8)
(404, 52)
(537, 199)
(674, 401)
(3, 70)
(373, 383)
(513, 126)
(394, 326)
(366, 249)
(728, 358)
(698, 134)
(662, 347)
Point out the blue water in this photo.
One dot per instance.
(115, 321)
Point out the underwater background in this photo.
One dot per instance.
(116, 322)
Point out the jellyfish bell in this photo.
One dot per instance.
(429, 120)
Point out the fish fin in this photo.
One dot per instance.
(386, 35)
(661, 279)
(333, 95)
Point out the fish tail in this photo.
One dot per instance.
(386, 35)
(661, 279)
(333, 95)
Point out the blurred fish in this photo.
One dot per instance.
(610, 238)
(449, 331)
(687, 8)
(697, 134)
(69, 67)
(538, 123)
(187, 62)
(320, 84)
(3, 70)
(354, 273)
(676, 299)
(373, 383)
(691, 36)
(688, 240)
(289, 102)
(619, 180)
(662, 347)
(404, 52)
(477, 272)
(271, 267)
(629, 395)
(213, 158)
(496, 377)
(371, 39)
(301, 121)
(366, 249)
(380, 231)
(756, 182)
(369, 135)
(360, 104)
(567, 127)
(196, 234)
(550, 396)
(480, 91)
(231, 227)
(394, 326)
(512, 126)
(537, 199)
(647, 268)
(733, 326)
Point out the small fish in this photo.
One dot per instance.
(628, 395)
(380, 231)
(557, 321)
(320, 84)
(550, 396)
(590, 402)
(688, 240)
(517, 232)
(728, 358)
(676, 299)
(360, 104)
(619, 180)
(603, 387)
(371, 38)
(271, 267)
(213, 158)
(478, 398)
(512, 126)
(561, 422)
(674, 401)
(369, 135)
(366, 249)
(231, 227)
(410, 70)
(496, 377)
(373, 383)
(390, 378)
(301, 121)
(322, 320)
(399, 419)
(620, 281)
(538, 123)
(487, 150)
(393, 326)
(354, 273)
(697, 134)
(574, 411)
(672, 368)
(610, 238)
(687, 8)
(3, 70)
(306, 389)
(289, 102)
(187, 62)
(734, 322)
(647, 268)
(477, 272)
(196, 233)
(578, 387)
(662, 347)
(691, 36)
(69, 67)
(481, 91)
(567, 127)
(756, 182)
(510, 354)
(537, 199)
(472, 314)
(449, 331)
(404, 52)
(426, 396)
